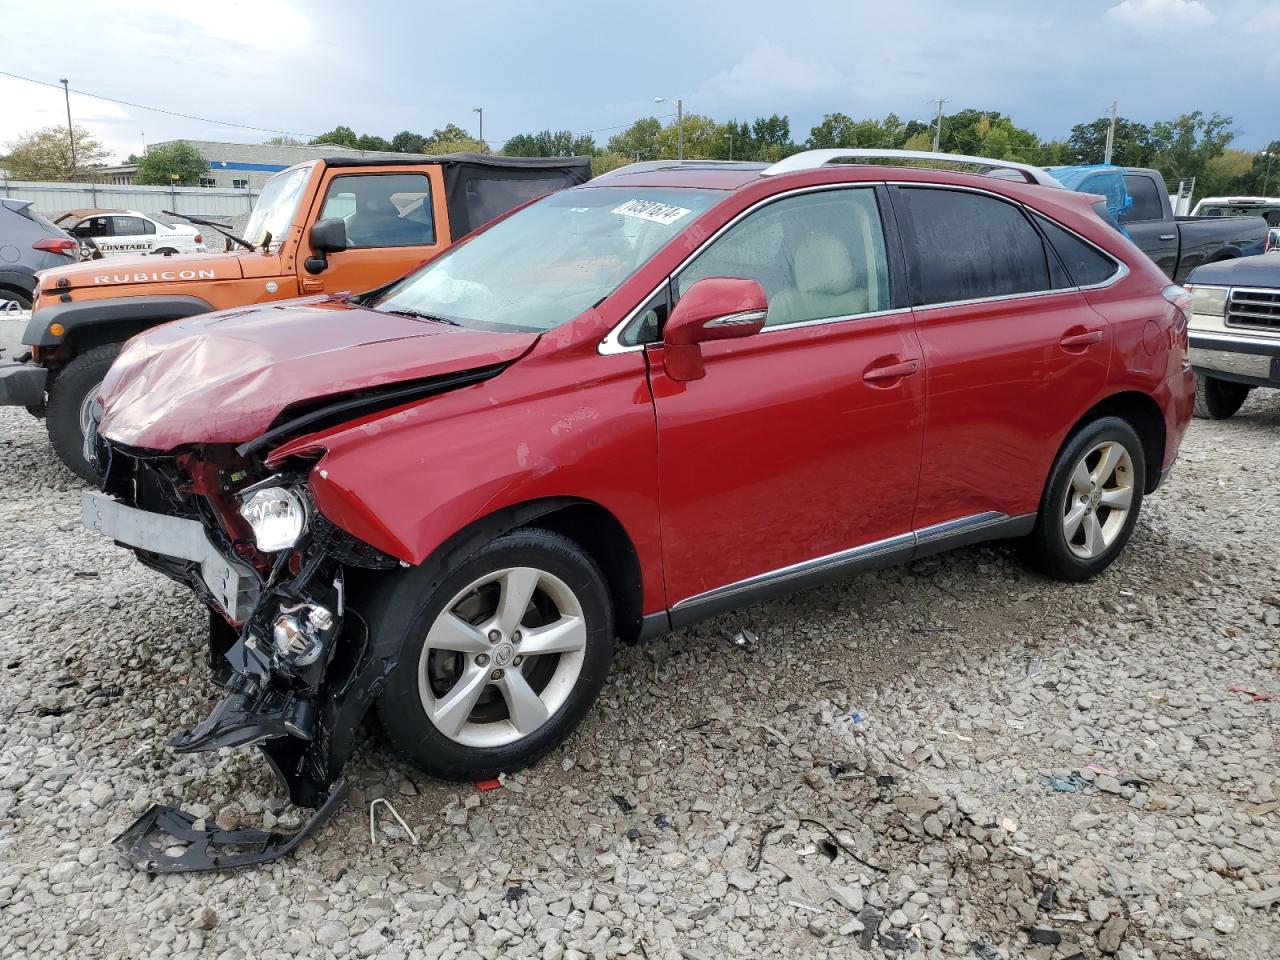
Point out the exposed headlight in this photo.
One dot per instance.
(277, 517)
(1210, 300)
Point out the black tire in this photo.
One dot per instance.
(1219, 399)
(1046, 548)
(8, 295)
(425, 591)
(164, 251)
(68, 392)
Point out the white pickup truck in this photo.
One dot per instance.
(116, 233)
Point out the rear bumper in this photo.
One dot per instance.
(1243, 359)
(22, 384)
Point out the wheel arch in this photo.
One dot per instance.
(91, 323)
(593, 527)
(1142, 413)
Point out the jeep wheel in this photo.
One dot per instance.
(502, 659)
(1219, 399)
(70, 397)
(1090, 504)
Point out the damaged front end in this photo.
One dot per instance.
(294, 659)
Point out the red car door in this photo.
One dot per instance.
(1011, 361)
(798, 452)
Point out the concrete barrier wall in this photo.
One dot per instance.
(52, 199)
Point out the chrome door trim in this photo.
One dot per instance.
(740, 319)
(973, 528)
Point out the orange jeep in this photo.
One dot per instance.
(329, 225)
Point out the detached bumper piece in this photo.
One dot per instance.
(165, 840)
(22, 384)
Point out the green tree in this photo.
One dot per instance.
(1132, 146)
(178, 162)
(561, 143)
(1263, 176)
(639, 141)
(46, 155)
(603, 162)
(285, 141)
(368, 141)
(1184, 147)
(701, 137)
(341, 136)
(406, 141)
(840, 130)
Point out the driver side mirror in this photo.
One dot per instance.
(327, 236)
(713, 308)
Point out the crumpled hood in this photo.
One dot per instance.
(225, 377)
(146, 268)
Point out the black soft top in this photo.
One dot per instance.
(480, 186)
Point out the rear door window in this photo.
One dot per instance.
(1085, 265)
(132, 227)
(963, 245)
(1146, 199)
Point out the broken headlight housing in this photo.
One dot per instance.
(277, 515)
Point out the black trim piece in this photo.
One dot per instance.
(998, 528)
(1244, 378)
(136, 311)
(21, 384)
(370, 402)
(653, 625)
(899, 287)
(454, 159)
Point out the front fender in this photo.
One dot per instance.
(78, 317)
(407, 480)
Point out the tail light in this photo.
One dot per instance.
(63, 245)
(199, 238)
(1180, 297)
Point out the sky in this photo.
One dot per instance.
(305, 66)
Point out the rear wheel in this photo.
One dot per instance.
(9, 297)
(1090, 504)
(70, 398)
(1219, 399)
(502, 660)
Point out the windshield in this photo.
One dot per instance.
(548, 263)
(273, 213)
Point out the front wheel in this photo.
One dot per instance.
(1219, 399)
(1090, 504)
(502, 659)
(70, 398)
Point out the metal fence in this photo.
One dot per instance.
(52, 199)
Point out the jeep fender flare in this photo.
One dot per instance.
(86, 316)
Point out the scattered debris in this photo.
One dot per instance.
(951, 733)
(661, 822)
(1046, 897)
(1044, 935)
(514, 893)
(486, 785)
(805, 905)
(744, 638)
(373, 838)
(625, 805)
(633, 833)
(858, 718)
(1261, 697)
(1068, 782)
(985, 951)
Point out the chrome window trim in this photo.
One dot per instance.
(742, 318)
(961, 528)
(610, 344)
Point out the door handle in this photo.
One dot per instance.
(1168, 236)
(893, 371)
(1079, 341)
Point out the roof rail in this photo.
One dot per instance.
(647, 166)
(813, 159)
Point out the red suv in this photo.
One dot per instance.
(625, 407)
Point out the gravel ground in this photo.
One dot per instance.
(872, 777)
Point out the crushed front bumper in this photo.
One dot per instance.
(22, 384)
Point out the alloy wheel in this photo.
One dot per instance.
(1098, 500)
(502, 657)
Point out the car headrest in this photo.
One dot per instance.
(823, 265)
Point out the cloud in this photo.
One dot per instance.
(1162, 15)
(767, 71)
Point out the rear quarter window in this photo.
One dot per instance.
(1146, 199)
(1084, 264)
(969, 246)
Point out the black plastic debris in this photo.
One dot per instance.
(985, 951)
(743, 639)
(1046, 897)
(1044, 935)
(899, 941)
(870, 920)
(625, 805)
(633, 833)
(661, 822)
(514, 893)
(885, 780)
(164, 840)
(836, 769)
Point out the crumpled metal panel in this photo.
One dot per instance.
(224, 377)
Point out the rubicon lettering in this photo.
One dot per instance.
(156, 275)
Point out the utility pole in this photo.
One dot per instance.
(71, 136)
(937, 128)
(480, 110)
(679, 105)
(1111, 135)
(1266, 177)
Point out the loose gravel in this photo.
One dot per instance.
(951, 759)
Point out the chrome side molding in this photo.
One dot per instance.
(990, 525)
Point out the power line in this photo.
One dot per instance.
(171, 113)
